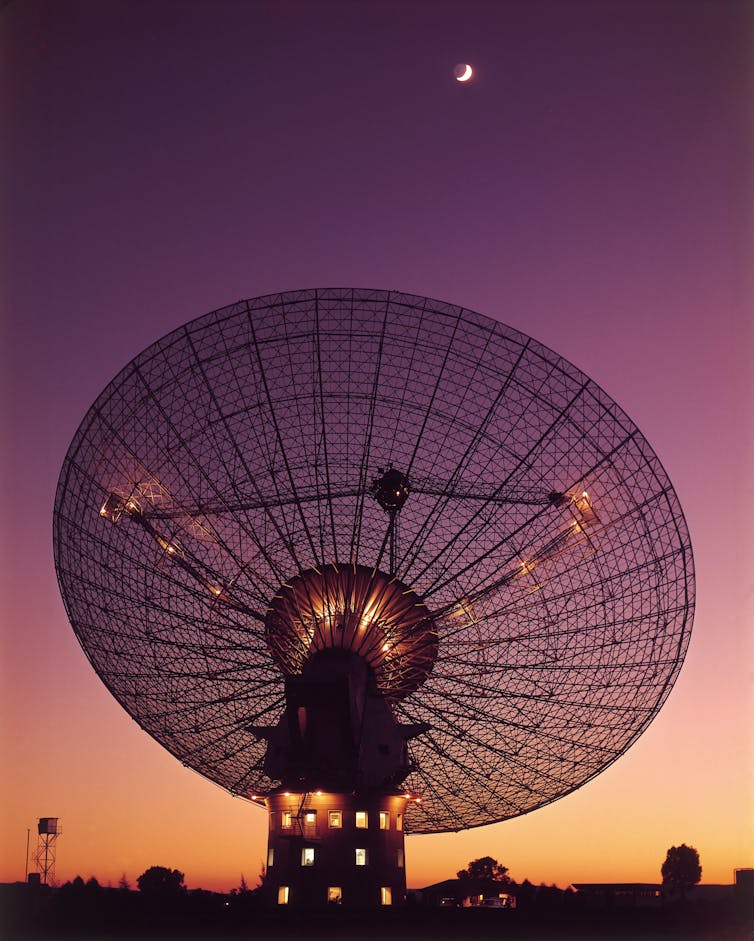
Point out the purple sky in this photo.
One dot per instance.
(592, 187)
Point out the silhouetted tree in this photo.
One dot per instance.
(526, 893)
(124, 883)
(482, 877)
(160, 881)
(485, 869)
(681, 869)
(548, 897)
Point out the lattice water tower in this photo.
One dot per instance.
(49, 829)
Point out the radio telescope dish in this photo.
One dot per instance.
(393, 479)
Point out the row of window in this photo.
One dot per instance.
(335, 894)
(308, 856)
(335, 819)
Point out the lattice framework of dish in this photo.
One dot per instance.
(539, 530)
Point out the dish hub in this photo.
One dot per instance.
(357, 610)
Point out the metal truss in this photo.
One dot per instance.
(531, 518)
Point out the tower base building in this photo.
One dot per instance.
(337, 849)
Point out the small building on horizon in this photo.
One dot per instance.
(643, 894)
(467, 893)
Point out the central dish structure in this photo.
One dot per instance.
(372, 542)
(355, 609)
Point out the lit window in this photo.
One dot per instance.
(283, 895)
(386, 895)
(334, 894)
(310, 817)
(399, 859)
(362, 820)
(307, 856)
(335, 819)
(399, 821)
(384, 820)
(287, 819)
(361, 857)
(271, 856)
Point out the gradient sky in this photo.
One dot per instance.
(591, 187)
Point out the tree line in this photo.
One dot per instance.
(680, 871)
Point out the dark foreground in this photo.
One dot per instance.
(125, 916)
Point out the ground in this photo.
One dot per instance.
(127, 916)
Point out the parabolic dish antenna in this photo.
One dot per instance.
(394, 477)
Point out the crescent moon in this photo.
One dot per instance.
(466, 74)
